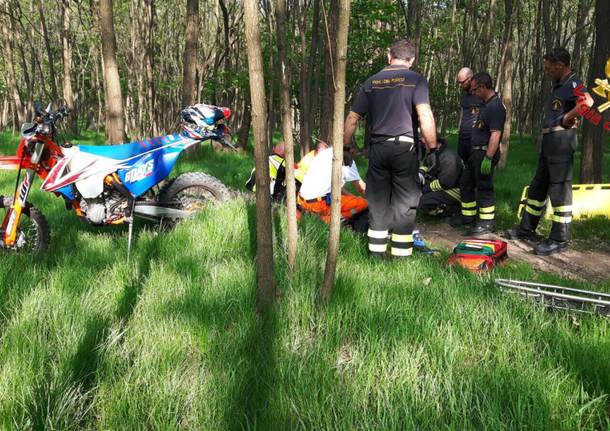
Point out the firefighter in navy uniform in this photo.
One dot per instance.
(441, 186)
(391, 98)
(469, 113)
(553, 176)
(476, 186)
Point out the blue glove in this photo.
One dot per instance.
(486, 166)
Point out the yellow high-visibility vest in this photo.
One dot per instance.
(304, 164)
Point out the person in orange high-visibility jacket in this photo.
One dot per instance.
(314, 195)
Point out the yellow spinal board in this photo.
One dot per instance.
(588, 200)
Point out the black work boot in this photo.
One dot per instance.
(458, 220)
(482, 228)
(550, 246)
(522, 234)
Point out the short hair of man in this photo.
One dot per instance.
(321, 145)
(402, 49)
(483, 79)
(558, 55)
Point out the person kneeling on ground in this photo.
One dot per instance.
(441, 184)
(314, 195)
(277, 174)
(305, 162)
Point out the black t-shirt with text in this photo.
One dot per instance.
(389, 99)
(563, 99)
(492, 117)
(471, 106)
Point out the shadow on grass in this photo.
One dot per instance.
(52, 402)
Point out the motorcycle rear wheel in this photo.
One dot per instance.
(192, 192)
(33, 234)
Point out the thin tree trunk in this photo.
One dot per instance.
(264, 231)
(68, 95)
(115, 122)
(244, 130)
(307, 78)
(47, 45)
(285, 83)
(507, 91)
(189, 63)
(581, 36)
(337, 140)
(489, 25)
(11, 79)
(329, 20)
(593, 136)
(149, 52)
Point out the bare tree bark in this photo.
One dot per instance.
(189, 63)
(489, 25)
(584, 7)
(307, 77)
(47, 45)
(329, 26)
(68, 94)
(11, 77)
(337, 140)
(507, 91)
(149, 52)
(593, 135)
(244, 130)
(285, 83)
(264, 231)
(115, 122)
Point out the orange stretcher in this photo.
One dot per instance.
(588, 200)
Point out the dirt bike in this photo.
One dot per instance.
(108, 185)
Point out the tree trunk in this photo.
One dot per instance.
(47, 45)
(149, 52)
(507, 91)
(329, 20)
(11, 77)
(594, 138)
(244, 130)
(68, 95)
(264, 232)
(189, 64)
(581, 36)
(307, 78)
(115, 122)
(285, 85)
(337, 140)
(489, 25)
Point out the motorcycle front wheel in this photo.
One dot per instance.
(33, 233)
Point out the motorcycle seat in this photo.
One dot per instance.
(123, 151)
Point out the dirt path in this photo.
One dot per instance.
(575, 264)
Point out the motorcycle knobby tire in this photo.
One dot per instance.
(39, 223)
(172, 192)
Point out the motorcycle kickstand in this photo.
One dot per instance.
(129, 219)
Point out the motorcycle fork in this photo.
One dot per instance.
(10, 224)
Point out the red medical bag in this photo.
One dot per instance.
(477, 254)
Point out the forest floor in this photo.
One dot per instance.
(577, 262)
(170, 340)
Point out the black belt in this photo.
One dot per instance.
(479, 147)
(397, 140)
(547, 130)
(309, 201)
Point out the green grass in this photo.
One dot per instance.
(171, 340)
